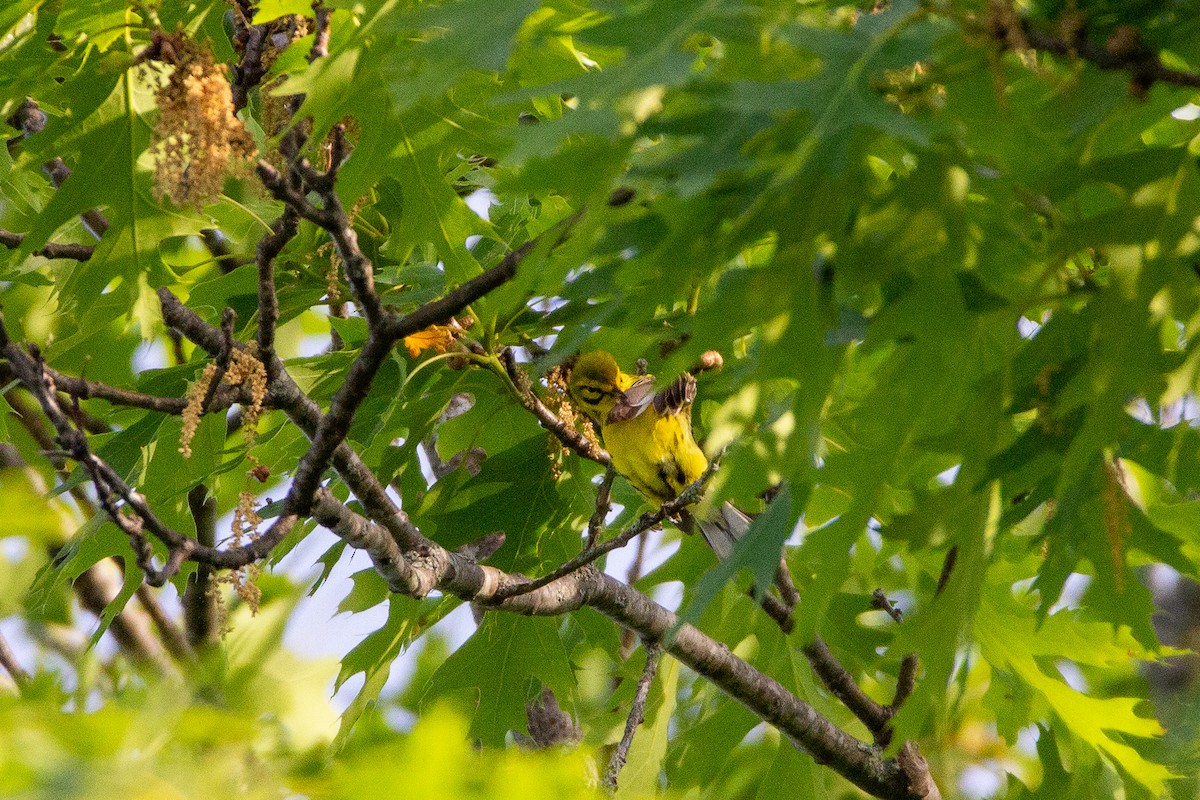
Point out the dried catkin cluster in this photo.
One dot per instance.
(198, 140)
(195, 409)
(241, 580)
(245, 368)
(559, 401)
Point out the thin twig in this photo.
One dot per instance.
(484, 547)
(228, 317)
(570, 437)
(637, 713)
(776, 609)
(320, 46)
(95, 587)
(31, 372)
(785, 584)
(251, 41)
(78, 252)
(87, 389)
(689, 495)
(841, 683)
(632, 576)
(906, 681)
(638, 564)
(644, 523)
(269, 247)
(603, 506)
(880, 602)
(218, 244)
(1124, 50)
(8, 660)
(947, 570)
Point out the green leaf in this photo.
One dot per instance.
(758, 551)
(30, 515)
(368, 590)
(520, 652)
(113, 137)
(640, 778)
(1010, 639)
(373, 656)
(544, 528)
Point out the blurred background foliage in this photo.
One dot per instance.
(953, 272)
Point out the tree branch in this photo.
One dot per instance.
(570, 437)
(841, 683)
(428, 566)
(637, 713)
(603, 506)
(269, 248)
(645, 523)
(201, 616)
(78, 252)
(1123, 50)
(249, 40)
(85, 389)
(8, 660)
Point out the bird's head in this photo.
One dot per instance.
(594, 384)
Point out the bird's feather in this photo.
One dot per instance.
(676, 397)
(723, 530)
(633, 400)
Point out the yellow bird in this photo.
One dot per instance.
(649, 436)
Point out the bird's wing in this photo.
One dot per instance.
(676, 397)
(634, 400)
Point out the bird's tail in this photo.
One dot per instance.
(723, 529)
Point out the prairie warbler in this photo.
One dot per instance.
(649, 436)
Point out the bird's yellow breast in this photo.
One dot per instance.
(656, 453)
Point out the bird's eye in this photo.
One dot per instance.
(590, 394)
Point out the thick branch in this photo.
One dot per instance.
(365, 535)
(860, 763)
